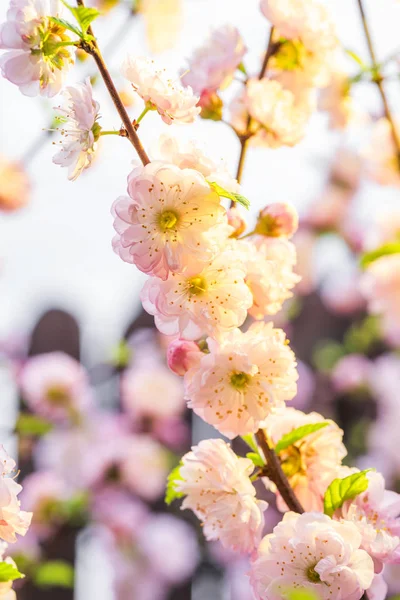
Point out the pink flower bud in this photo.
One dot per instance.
(182, 355)
(211, 106)
(236, 221)
(277, 220)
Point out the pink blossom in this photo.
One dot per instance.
(304, 241)
(200, 300)
(33, 61)
(182, 355)
(243, 378)
(269, 272)
(382, 161)
(340, 291)
(14, 185)
(314, 553)
(311, 463)
(80, 129)
(236, 220)
(213, 65)
(336, 100)
(161, 91)
(151, 391)
(145, 467)
(170, 546)
(13, 520)
(55, 385)
(351, 373)
(277, 220)
(124, 515)
(218, 490)
(173, 432)
(378, 589)
(375, 513)
(170, 213)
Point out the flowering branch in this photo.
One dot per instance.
(378, 79)
(93, 49)
(276, 474)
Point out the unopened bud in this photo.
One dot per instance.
(236, 221)
(182, 355)
(277, 220)
(211, 106)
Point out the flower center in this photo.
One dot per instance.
(268, 226)
(197, 285)
(167, 220)
(58, 396)
(291, 461)
(312, 575)
(240, 380)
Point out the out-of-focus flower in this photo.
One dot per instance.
(123, 515)
(218, 490)
(55, 386)
(382, 161)
(198, 301)
(213, 65)
(170, 213)
(384, 228)
(311, 463)
(242, 379)
(336, 100)
(42, 494)
(161, 91)
(314, 553)
(375, 513)
(236, 221)
(380, 284)
(305, 387)
(352, 372)
(163, 19)
(269, 264)
(170, 546)
(14, 185)
(13, 520)
(277, 220)
(151, 391)
(340, 291)
(304, 242)
(80, 129)
(280, 122)
(145, 467)
(182, 355)
(38, 55)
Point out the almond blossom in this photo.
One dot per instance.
(55, 385)
(80, 129)
(269, 272)
(212, 66)
(313, 462)
(279, 219)
(182, 355)
(13, 520)
(170, 213)
(200, 300)
(34, 61)
(311, 552)
(375, 513)
(161, 91)
(145, 467)
(242, 379)
(218, 490)
(14, 185)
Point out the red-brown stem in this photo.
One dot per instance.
(378, 79)
(276, 474)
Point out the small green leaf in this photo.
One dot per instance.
(231, 195)
(249, 439)
(341, 490)
(54, 573)
(28, 424)
(385, 250)
(84, 15)
(298, 434)
(66, 25)
(8, 572)
(356, 58)
(255, 459)
(242, 69)
(171, 493)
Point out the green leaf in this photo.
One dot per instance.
(171, 493)
(67, 25)
(28, 424)
(385, 250)
(256, 459)
(54, 573)
(8, 572)
(242, 69)
(298, 434)
(249, 439)
(84, 15)
(326, 354)
(231, 195)
(356, 58)
(341, 490)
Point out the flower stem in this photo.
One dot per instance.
(143, 113)
(120, 132)
(378, 79)
(93, 49)
(276, 474)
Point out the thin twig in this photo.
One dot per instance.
(378, 79)
(277, 475)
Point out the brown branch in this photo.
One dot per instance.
(378, 79)
(277, 475)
